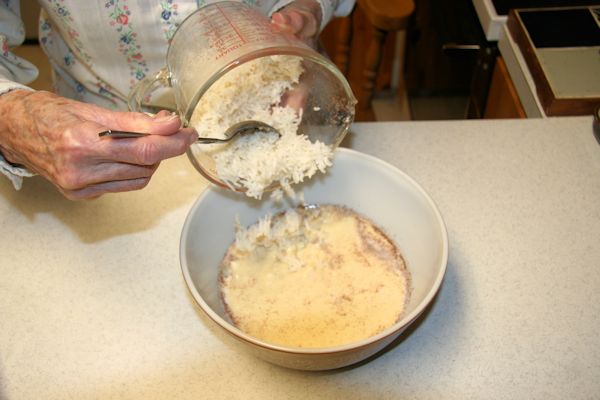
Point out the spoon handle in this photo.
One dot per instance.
(122, 134)
(128, 134)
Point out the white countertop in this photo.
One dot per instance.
(93, 304)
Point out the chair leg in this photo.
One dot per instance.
(372, 62)
(343, 44)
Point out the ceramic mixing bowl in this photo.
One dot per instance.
(368, 185)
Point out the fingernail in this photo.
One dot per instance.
(166, 118)
(193, 138)
(161, 113)
(279, 19)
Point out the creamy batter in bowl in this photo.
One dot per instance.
(371, 187)
(314, 276)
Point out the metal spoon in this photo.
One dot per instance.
(233, 131)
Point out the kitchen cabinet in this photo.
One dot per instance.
(503, 100)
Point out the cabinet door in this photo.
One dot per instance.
(503, 100)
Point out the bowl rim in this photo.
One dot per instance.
(396, 328)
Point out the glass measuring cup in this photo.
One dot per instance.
(220, 37)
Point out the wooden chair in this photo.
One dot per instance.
(351, 51)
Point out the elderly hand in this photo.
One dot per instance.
(301, 18)
(57, 138)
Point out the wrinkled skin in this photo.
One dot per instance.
(57, 138)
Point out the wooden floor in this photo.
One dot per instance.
(388, 107)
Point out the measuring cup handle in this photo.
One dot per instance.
(144, 88)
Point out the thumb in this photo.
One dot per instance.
(162, 123)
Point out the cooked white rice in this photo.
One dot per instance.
(253, 91)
